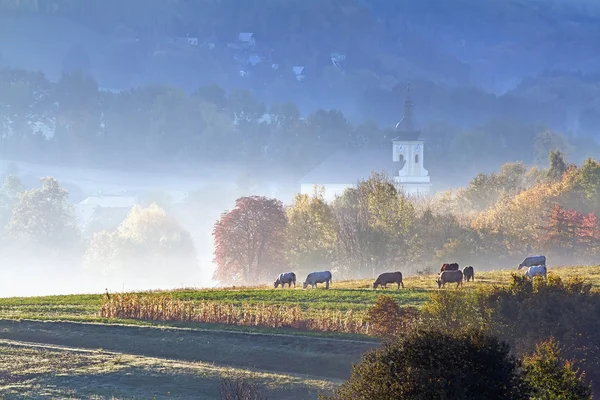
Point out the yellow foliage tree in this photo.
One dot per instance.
(518, 219)
(148, 242)
(311, 232)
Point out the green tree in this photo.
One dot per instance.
(45, 216)
(427, 365)
(587, 185)
(374, 225)
(9, 196)
(78, 117)
(558, 166)
(548, 141)
(553, 378)
(25, 100)
(311, 232)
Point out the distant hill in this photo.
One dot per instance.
(491, 46)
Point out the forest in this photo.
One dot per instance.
(73, 123)
(493, 223)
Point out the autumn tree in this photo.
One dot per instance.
(250, 241)
(570, 231)
(311, 232)
(147, 244)
(44, 216)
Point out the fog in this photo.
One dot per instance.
(171, 106)
(47, 272)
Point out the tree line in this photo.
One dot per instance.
(73, 122)
(40, 226)
(494, 222)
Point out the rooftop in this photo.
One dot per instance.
(350, 166)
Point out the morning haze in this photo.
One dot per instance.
(151, 150)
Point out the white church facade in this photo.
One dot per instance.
(403, 162)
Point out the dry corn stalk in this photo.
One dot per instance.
(168, 308)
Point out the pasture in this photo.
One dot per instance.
(59, 346)
(343, 296)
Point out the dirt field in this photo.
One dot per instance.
(72, 360)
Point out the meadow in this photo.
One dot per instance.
(343, 296)
(59, 346)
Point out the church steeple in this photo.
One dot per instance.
(408, 111)
(406, 128)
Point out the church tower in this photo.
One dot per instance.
(408, 153)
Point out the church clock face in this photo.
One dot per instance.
(417, 147)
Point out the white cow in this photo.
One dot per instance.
(286, 277)
(536, 270)
(318, 277)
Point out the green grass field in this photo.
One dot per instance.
(342, 296)
(57, 346)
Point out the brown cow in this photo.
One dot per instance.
(389, 277)
(450, 276)
(449, 267)
(469, 273)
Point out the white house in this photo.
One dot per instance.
(247, 38)
(299, 72)
(404, 163)
(86, 209)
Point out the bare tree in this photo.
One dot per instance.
(240, 388)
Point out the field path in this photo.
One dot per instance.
(323, 358)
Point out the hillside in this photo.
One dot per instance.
(491, 46)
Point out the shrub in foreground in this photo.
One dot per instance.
(387, 319)
(427, 365)
(553, 378)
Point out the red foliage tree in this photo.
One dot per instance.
(249, 241)
(590, 231)
(569, 230)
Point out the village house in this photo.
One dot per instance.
(404, 164)
(299, 73)
(102, 206)
(247, 39)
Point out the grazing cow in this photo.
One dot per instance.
(469, 273)
(318, 277)
(389, 277)
(449, 267)
(287, 277)
(533, 261)
(536, 270)
(450, 276)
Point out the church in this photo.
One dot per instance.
(404, 163)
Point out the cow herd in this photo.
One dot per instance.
(449, 273)
(312, 279)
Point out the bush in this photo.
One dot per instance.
(387, 319)
(553, 378)
(526, 312)
(430, 364)
(240, 388)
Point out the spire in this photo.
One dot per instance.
(406, 127)
(408, 111)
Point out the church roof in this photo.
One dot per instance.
(350, 166)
